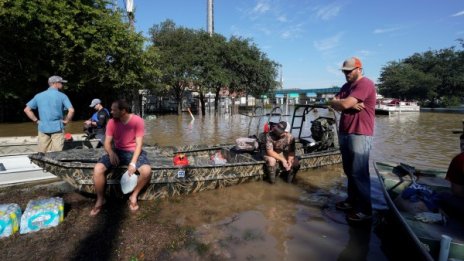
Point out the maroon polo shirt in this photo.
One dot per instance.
(354, 121)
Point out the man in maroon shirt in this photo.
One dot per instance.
(356, 100)
(453, 203)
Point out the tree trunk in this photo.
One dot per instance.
(216, 100)
(179, 94)
(133, 100)
(202, 103)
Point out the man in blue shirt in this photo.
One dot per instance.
(96, 125)
(50, 104)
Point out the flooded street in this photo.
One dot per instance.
(259, 221)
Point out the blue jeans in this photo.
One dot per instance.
(355, 155)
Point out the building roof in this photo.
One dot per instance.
(307, 91)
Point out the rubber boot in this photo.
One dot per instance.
(271, 172)
(292, 173)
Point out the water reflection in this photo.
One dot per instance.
(358, 244)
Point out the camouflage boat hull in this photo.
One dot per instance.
(76, 168)
(23, 145)
(319, 158)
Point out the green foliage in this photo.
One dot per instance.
(84, 41)
(430, 76)
(451, 101)
(194, 59)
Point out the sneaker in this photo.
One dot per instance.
(343, 205)
(358, 217)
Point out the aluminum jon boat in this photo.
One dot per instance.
(429, 231)
(16, 168)
(23, 145)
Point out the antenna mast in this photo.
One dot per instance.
(210, 17)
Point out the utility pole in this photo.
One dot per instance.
(130, 12)
(134, 93)
(210, 17)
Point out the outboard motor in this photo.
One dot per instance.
(323, 134)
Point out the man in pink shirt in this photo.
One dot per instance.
(356, 100)
(126, 130)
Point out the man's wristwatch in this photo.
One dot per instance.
(133, 165)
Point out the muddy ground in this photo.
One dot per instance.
(115, 234)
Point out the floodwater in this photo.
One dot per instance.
(259, 221)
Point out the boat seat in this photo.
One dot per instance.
(306, 141)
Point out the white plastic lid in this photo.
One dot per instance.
(128, 183)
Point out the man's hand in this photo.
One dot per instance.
(65, 121)
(290, 161)
(114, 159)
(286, 165)
(131, 169)
(359, 106)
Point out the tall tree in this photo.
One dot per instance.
(430, 76)
(84, 41)
(176, 45)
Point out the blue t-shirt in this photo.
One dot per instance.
(51, 104)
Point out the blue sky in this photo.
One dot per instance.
(311, 38)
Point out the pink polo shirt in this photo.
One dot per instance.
(124, 134)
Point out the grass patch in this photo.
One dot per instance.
(149, 211)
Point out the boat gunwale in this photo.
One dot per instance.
(400, 217)
(76, 164)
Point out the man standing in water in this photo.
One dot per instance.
(356, 100)
(126, 130)
(50, 104)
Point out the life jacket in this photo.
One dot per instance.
(95, 115)
(180, 160)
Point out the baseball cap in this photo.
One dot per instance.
(56, 78)
(351, 64)
(280, 128)
(94, 102)
(287, 127)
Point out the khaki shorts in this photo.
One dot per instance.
(50, 141)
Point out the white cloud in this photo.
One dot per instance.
(261, 7)
(292, 31)
(385, 30)
(458, 13)
(328, 43)
(329, 11)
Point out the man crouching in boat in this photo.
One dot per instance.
(126, 130)
(280, 147)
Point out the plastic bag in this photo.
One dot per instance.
(218, 159)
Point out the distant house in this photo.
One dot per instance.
(304, 96)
